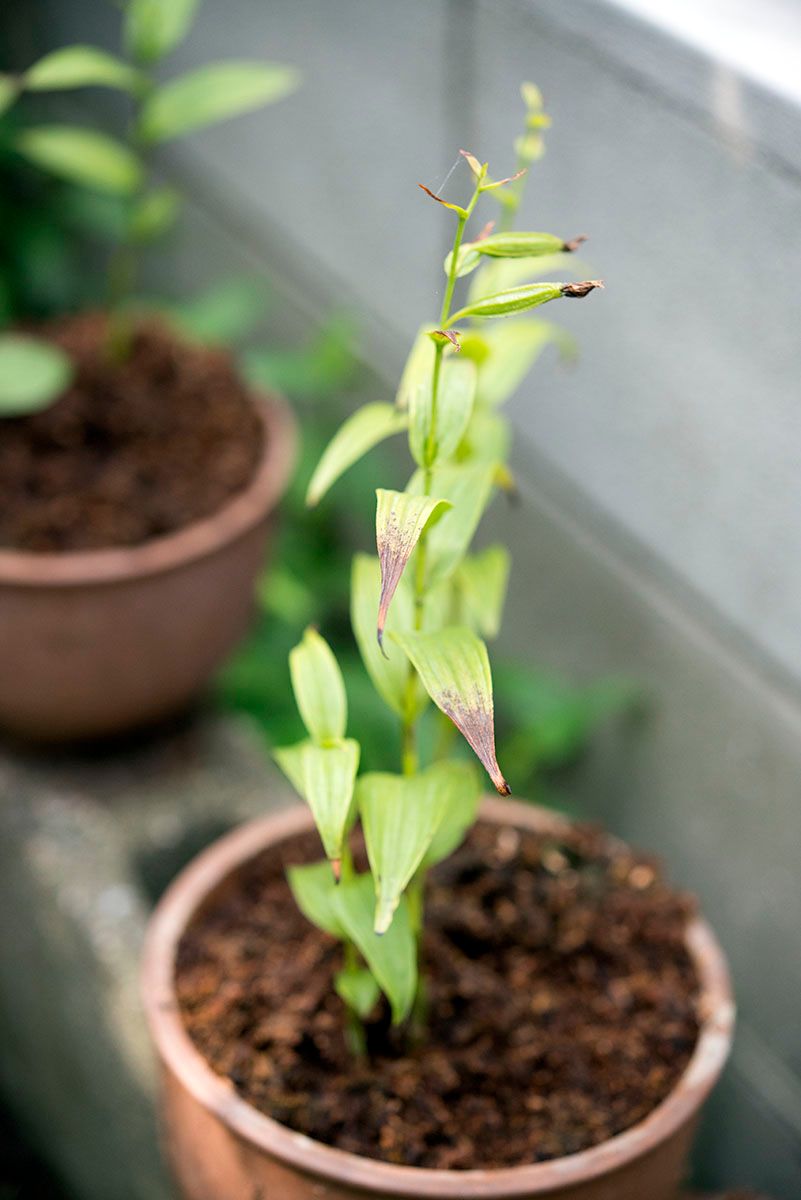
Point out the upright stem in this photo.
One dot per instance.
(409, 755)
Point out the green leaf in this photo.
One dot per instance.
(389, 674)
(521, 245)
(319, 688)
(500, 274)
(362, 430)
(514, 347)
(514, 300)
(325, 777)
(400, 815)
(392, 956)
(154, 214)
(33, 374)
(399, 521)
(486, 440)
(81, 66)
(155, 27)
(467, 260)
(468, 488)
(358, 989)
(461, 789)
(482, 581)
(454, 667)
(434, 437)
(213, 93)
(418, 370)
(314, 889)
(9, 90)
(224, 313)
(82, 156)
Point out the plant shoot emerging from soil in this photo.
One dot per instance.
(423, 606)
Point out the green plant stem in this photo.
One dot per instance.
(410, 758)
(354, 1028)
(409, 755)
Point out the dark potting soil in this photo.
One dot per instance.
(132, 450)
(562, 1005)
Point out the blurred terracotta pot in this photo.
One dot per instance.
(100, 642)
(221, 1148)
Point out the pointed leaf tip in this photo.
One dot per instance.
(575, 242)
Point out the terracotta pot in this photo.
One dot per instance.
(99, 642)
(221, 1148)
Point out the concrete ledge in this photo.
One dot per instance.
(86, 846)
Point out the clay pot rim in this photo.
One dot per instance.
(205, 873)
(25, 568)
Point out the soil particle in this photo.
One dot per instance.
(132, 450)
(562, 1005)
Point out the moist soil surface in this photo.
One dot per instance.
(562, 1005)
(133, 449)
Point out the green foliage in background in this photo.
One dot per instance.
(140, 209)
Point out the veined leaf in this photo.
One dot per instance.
(520, 299)
(319, 688)
(82, 156)
(514, 244)
(418, 370)
(391, 957)
(468, 488)
(433, 437)
(314, 888)
(482, 580)
(33, 374)
(389, 674)
(500, 274)
(513, 300)
(81, 66)
(325, 777)
(399, 521)
(514, 347)
(362, 430)
(461, 789)
(358, 989)
(400, 815)
(454, 667)
(213, 93)
(9, 90)
(155, 27)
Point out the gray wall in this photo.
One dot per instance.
(660, 532)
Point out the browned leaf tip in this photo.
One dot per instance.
(576, 291)
(509, 178)
(433, 195)
(486, 231)
(476, 724)
(452, 335)
(574, 243)
(336, 867)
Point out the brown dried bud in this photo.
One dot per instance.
(577, 291)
